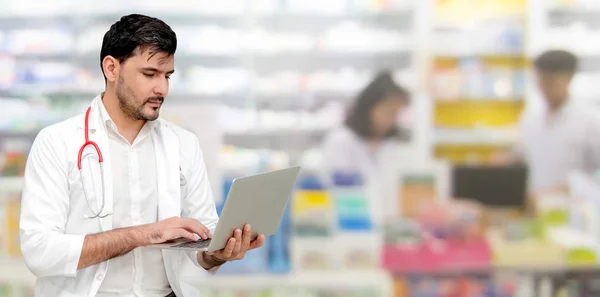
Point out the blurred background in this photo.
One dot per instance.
(403, 115)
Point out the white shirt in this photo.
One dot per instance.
(345, 150)
(140, 272)
(554, 146)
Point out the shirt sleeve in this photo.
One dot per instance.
(47, 250)
(198, 201)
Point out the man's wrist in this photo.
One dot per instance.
(137, 234)
(208, 261)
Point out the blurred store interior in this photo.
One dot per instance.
(267, 84)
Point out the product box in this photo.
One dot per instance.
(313, 253)
(357, 250)
(580, 249)
(13, 157)
(527, 254)
(553, 207)
(452, 287)
(313, 213)
(521, 244)
(437, 256)
(11, 245)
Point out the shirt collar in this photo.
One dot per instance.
(104, 116)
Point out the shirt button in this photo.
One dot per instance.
(99, 277)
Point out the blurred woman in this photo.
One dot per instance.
(368, 142)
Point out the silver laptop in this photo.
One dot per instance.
(259, 200)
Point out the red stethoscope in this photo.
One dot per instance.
(100, 161)
(87, 143)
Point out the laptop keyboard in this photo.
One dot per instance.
(200, 244)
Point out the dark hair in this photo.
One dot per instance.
(556, 61)
(137, 32)
(381, 87)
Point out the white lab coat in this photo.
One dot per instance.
(52, 225)
(344, 150)
(554, 147)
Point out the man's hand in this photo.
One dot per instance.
(236, 248)
(173, 228)
(104, 246)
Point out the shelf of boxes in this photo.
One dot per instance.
(477, 86)
(231, 55)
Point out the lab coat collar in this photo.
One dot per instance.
(95, 116)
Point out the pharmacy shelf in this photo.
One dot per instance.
(289, 98)
(283, 139)
(18, 134)
(289, 140)
(400, 17)
(322, 279)
(11, 184)
(396, 58)
(14, 271)
(560, 17)
(492, 136)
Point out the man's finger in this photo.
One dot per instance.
(192, 225)
(258, 242)
(237, 234)
(208, 233)
(181, 233)
(204, 228)
(246, 237)
(228, 251)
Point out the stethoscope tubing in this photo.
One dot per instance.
(101, 162)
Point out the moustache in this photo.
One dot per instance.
(154, 99)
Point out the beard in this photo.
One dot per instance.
(127, 103)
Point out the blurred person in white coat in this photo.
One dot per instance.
(562, 135)
(369, 142)
(83, 227)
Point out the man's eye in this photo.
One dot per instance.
(148, 75)
(168, 77)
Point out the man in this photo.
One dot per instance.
(83, 229)
(563, 135)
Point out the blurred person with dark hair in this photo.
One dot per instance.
(562, 136)
(153, 188)
(370, 137)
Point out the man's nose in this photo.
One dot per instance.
(161, 88)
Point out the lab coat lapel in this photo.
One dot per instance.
(99, 135)
(166, 147)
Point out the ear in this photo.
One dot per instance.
(110, 67)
